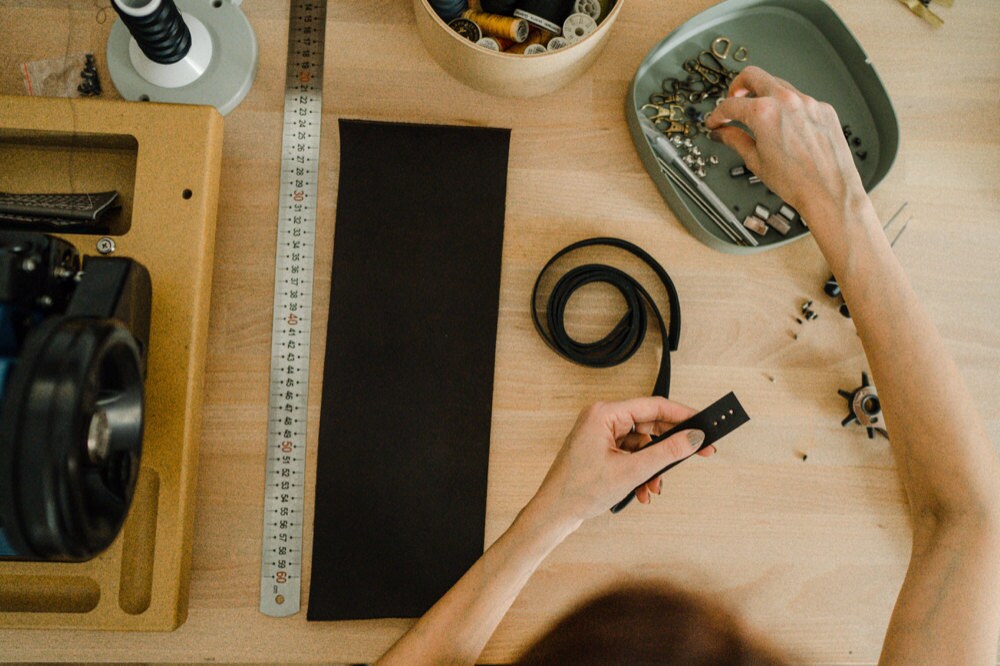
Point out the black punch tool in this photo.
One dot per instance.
(716, 421)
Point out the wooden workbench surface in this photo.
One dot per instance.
(809, 552)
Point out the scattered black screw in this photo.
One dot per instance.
(862, 155)
(831, 287)
(91, 82)
(856, 141)
(844, 311)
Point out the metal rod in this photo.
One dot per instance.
(660, 145)
(900, 232)
(702, 204)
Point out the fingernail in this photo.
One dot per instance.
(696, 438)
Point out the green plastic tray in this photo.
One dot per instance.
(801, 41)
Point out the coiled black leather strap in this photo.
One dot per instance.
(627, 336)
(162, 35)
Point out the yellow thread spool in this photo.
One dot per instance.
(534, 37)
(495, 25)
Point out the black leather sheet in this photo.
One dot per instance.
(408, 381)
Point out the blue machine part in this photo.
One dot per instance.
(8, 336)
(5, 549)
(8, 345)
(8, 352)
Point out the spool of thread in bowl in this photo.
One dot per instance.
(545, 14)
(495, 25)
(535, 36)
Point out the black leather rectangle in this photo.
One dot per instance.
(408, 382)
(717, 420)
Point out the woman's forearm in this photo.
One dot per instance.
(948, 464)
(456, 628)
(599, 463)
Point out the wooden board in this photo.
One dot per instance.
(810, 553)
(165, 161)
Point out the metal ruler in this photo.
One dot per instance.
(284, 496)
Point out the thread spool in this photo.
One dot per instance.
(449, 10)
(578, 26)
(557, 43)
(535, 49)
(466, 28)
(489, 43)
(505, 7)
(535, 36)
(495, 25)
(545, 14)
(591, 8)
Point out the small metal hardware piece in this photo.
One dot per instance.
(856, 142)
(865, 408)
(721, 46)
(738, 171)
(779, 224)
(755, 224)
(105, 245)
(844, 311)
(662, 114)
(787, 212)
(862, 155)
(742, 54)
(761, 211)
(753, 179)
(713, 159)
(701, 172)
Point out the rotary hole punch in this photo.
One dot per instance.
(73, 338)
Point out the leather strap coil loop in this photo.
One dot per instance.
(628, 334)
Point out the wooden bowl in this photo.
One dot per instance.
(509, 74)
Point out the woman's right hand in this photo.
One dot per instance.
(797, 148)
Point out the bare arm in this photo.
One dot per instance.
(948, 611)
(592, 472)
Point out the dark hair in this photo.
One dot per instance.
(650, 625)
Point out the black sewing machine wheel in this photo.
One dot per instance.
(70, 438)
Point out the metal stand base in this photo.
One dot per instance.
(229, 75)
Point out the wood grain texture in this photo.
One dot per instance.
(809, 553)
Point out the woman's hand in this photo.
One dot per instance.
(600, 462)
(797, 148)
